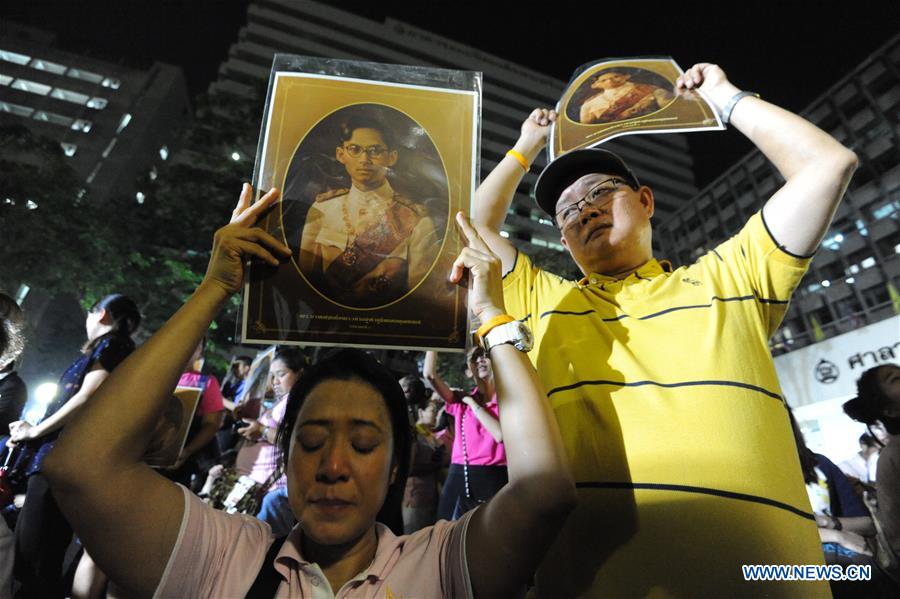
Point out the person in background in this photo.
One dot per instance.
(863, 465)
(201, 448)
(13, 392)
(878, 401)
(13, 395)
(42, 533)
(478, 460)
(420, 499)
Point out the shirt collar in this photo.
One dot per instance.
(650, 269)
(385, 192)
(290, 557)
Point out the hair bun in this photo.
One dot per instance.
(859, 411)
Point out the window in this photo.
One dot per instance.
(126, 118)
(53, 118)
(97, 103)
(68, 149)
(109, 147)
(46, 65)
(82, 125)
(111, 83)
(84, 75)
(16, 109)
(14, 57)
(32, 87)
(164, 152)
(69, 96)
(5, 79)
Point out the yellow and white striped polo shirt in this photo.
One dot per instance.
(673, 419)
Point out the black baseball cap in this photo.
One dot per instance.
(573, 165)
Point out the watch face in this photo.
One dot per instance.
(526, 339)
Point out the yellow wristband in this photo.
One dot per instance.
(496, 321)
(520, 159)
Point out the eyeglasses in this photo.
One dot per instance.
(376, 151)
(597, 197)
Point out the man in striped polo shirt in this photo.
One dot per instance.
(662, 380)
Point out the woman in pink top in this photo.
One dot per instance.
(478, 461)
(258, 458)
(346, 440)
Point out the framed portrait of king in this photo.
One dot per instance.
(373, 161)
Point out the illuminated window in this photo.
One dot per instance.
(868, 262)
(53, 118)
(126, 118)
(140, 197)
(69, 96)
(32, 87)
(14, 57)
(84, 75)
(97, 103)
(68, 149)
(5, 79)
(82, 125)
(46, 65)
(16, 109)
(164, 152)
(111, 83)
(109, 147)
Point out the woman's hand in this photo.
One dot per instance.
(20, 431)
(241, 239)
(252, 431)
(485, 290)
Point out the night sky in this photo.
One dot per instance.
(790, 51)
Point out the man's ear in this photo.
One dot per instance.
(340, 154)
(392, 157)
(647, 200)
(105, 316)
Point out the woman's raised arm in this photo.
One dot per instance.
(127, 515)
(507, 538)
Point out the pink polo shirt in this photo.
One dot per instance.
(219, 555)
(211, 401)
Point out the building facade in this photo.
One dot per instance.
(510, 92)
(111, 120)
(854, 277)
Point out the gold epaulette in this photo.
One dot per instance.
(332, 193)
(416, 207)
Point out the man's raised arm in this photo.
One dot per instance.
(816, 167)
(494, 195)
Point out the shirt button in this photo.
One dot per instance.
(594, 281)
(315, 581)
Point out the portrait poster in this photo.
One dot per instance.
(172, 428)
(373, 162)
(256, 385)
(627, 96)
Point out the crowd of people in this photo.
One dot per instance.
(589, 456)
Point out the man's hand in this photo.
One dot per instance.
(711, 80)
(535, 130)
(241, 239)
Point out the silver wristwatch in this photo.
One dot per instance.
(515, 333)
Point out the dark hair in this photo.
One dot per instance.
(871, 401)
(12, 336)
(808, 460)
(126, 318)
(244, 359)
(346, 365)
(868, 440)
(418, 396)
(368, 122)
(293, 358)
